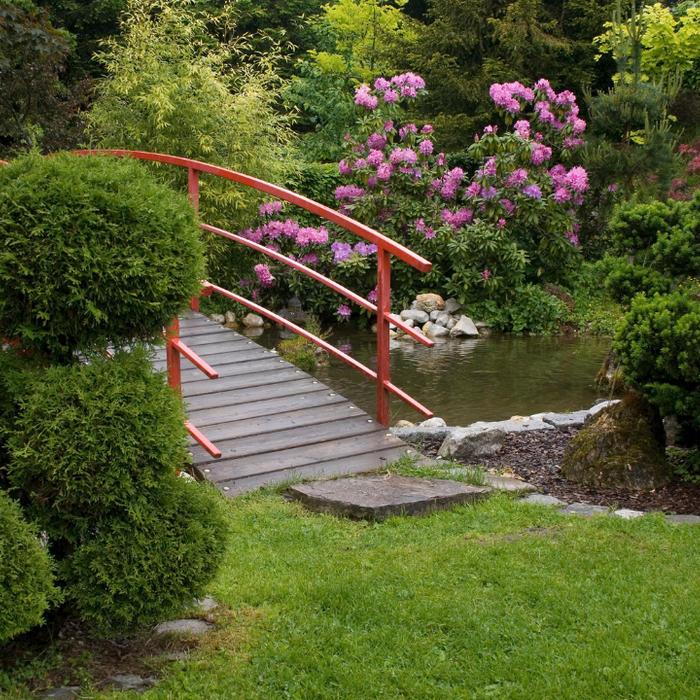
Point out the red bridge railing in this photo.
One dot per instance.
(386, 247)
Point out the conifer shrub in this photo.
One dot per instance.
(91, 441)
(146, 566)
(26, 577)
(658, 344)
(92, 251)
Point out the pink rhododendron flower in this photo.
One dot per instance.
(562, 195)
(429, 233)
(426, 147)
(363, 97)
(391, 96)
(344, 167)
(486, 274)
(577, 179)
(501, 223)
(384, 171)
(375, 158)
(412, 128)
(344, 312)
(309, 259)
(427, 129)
(540, 153)
(522, 128)
(532, 191)
(264, 276)
(516, 178)
(341, 251)
(381, 84)
(365, 249)
(377, 141)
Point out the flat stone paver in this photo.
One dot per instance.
(584, 509)
(627, 513)
(379, 497)
(684, 519)
(65, 692)
(543, 499)
(185, 626)
(507, 483)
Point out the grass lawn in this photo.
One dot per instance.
(497, 600)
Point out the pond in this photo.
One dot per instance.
(464, 381)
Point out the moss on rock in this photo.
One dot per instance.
(623, 447)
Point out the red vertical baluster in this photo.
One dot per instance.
(173, 356)
(193, 189)
(383, 309)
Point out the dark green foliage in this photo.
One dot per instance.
(92, 441)
(316, 181)
(626, 280)
(92, 250)
(145, 567)
(658, 344)
(635, 225)
(26, 579)
(36, 109)
(658, 245)
(529, 308)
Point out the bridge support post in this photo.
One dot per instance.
(173, 356)
(383, 310)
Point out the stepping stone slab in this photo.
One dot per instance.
(684, 519)
(628, 513)
(564, 421)
(183, 627)
(515, 426)
(584, 509)
(380, 497)
(130, 681)
(65, 692)
(543, 499)
(506, 483)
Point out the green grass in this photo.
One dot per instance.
(499, 600)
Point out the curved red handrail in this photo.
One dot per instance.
(385, 247)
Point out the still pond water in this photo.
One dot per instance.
(464, 381)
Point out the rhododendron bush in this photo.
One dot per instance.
(508, 222)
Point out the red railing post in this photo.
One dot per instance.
(172, 355)
(193, 189)
(383, 310)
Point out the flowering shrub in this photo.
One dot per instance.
(510, 222)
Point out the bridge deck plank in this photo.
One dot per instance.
(270, 420)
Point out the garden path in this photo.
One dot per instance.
(270, 420)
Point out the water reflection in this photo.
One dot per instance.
(464, 381)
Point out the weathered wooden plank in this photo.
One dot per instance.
(297, 457)
(243, 381)
(291, 437)
(355, 464)
(289, 385)
(230, 412)
(263, 426)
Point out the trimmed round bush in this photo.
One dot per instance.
(26, 580)
(92, 251)
(144, 568)
(91, 440)
(658, 344)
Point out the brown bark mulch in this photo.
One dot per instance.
(535, 456)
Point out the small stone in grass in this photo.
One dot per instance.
(584, 509)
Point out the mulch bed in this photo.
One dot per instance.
(535, 457)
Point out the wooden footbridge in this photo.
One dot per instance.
(253, 417)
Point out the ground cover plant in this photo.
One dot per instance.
(501, 599)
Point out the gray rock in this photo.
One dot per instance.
(436, 331)
(379, 497)
(130, 681)
(452, 306)
(206, 604)
(507, 483)
(253, 321)
(472, 442)
(451, 324)
(416, 433)
(481, 324)
(517, 426)
(684, 519)
(564, 421)
(230, 317)
(543, 499)
(464, 328)
(416, 315)
(442, 319)
(627, 513)
(252, 332)
(599, 406)
(434, 315)
(584, 509)
(187, 626)
(405, 424)
(65, 692)
(433, 423)
(219, 318)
